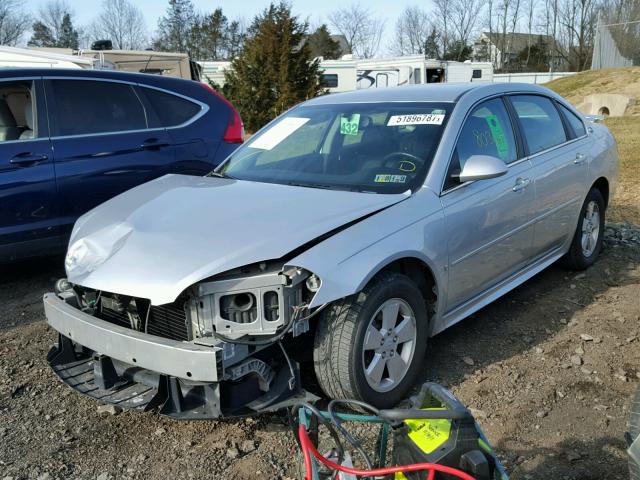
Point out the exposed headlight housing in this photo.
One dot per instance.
(62, 285)
(313, 283)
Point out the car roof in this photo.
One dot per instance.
(84, 73)
(432, 92)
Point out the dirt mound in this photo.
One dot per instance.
(622, 81)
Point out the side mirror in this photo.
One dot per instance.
(482, 167)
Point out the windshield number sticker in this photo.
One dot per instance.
(390, 179)
(349, 125)
(419, 119)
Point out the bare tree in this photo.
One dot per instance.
(443, 21)
(412, 30)
(123, 23)
(361, 29)
(14, 22)
(577, 24)
(531, 10)
(464, 18)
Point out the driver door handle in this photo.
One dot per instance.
(28, 158)
(153, 144)
(579, 159)
(521, 184)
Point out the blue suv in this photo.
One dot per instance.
(71, 139)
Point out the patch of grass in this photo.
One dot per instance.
(625, 206)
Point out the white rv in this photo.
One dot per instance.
(213, 71)
(339, 75)
(14, 57)
(415, 70)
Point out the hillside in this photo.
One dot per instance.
(625, 206)
(614, 80)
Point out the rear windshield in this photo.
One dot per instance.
(381, 147)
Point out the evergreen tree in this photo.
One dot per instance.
(208, 37)
(432, 45)
(234, 40)
(458, 51)
(42, 36)
(175, 28)
(275, 69)
(68, 35)
(322, 45)
(54, 27)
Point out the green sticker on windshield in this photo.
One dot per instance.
(349, 126)
(498, 136)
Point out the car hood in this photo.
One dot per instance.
(157, 239)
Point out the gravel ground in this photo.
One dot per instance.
(548, 369)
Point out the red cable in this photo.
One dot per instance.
(307, 446)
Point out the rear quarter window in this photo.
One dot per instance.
(170, 110)
(576, 124)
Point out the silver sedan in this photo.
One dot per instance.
(341, 236)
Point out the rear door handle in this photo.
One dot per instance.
(521, 184)
(579, 159)
(153, 144)
(28, 158)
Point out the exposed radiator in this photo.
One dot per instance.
(168, 321)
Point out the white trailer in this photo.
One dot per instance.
(14, 57)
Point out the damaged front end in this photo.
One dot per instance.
(225, 347)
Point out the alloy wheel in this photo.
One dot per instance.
(590, 228)
(389, 345)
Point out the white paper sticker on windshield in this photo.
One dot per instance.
(278, 133)
(416, 119)
(390, 179)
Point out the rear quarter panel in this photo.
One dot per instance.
(605, 159)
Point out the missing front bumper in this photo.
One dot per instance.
(138, 371)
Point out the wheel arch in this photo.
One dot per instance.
(418, 270)
(602, 185)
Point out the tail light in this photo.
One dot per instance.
(234, 132)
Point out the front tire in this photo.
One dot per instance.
(587, 240)
(634, 432)
(371, 346)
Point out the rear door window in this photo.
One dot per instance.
(86, 107)
(170, 110)
(576, 123)
(540, 120)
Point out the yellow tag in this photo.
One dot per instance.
(399, 476)
(427, 434)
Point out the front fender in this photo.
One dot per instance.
(346, 262)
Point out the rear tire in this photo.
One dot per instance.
(634, 432)
(371, 346)
(587, 239)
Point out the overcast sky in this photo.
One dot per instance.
(316, 11)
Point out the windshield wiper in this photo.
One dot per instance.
(218, 175)
(312, 185)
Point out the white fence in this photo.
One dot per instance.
(542, 77)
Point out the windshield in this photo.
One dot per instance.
(379, 147)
